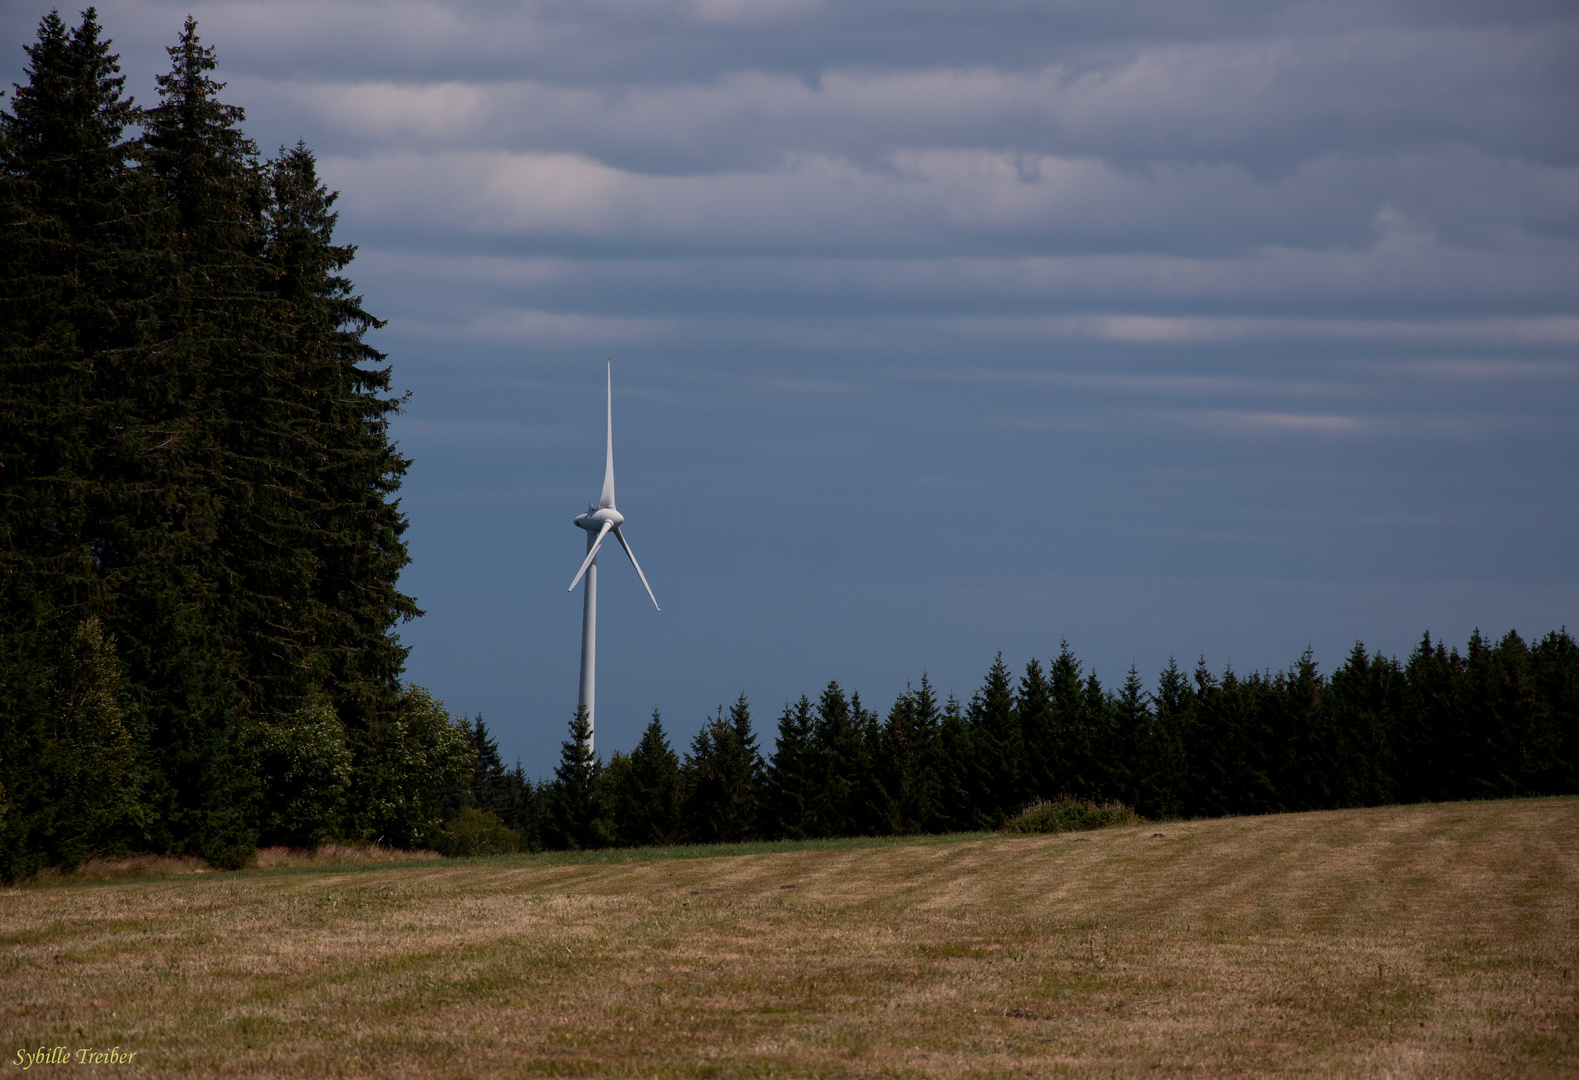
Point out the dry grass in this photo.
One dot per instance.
(142, 867)
(1414, 941)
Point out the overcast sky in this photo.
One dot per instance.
(939, 329)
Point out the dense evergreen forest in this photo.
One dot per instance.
(1498, 720)
(200, 548)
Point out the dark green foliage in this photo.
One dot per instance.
(997, 750)
(909, 758)
(329, 462)
(721, 779)
(478, 832)
(412, 773)
(1040, 772)
(839, 766)
(505, 793)
(72, 790)
(955, 808)
(644, 790)
(1500, 720)
(575, 819)
(490, 781)
(70, 210)
(1366, 696)
(1152, 747)
(790, 773)
(307, 769)
(1075, 768)
(194, 451)
(1554, 667)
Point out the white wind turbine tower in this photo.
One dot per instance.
(599, 521)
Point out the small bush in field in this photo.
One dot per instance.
(1070, 815)
(479, 832)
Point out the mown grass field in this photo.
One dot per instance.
(1422, 941)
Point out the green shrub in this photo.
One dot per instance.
(478, 832)
(306, 769)
(411, 773)
(1069, 814)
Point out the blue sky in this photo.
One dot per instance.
(940, 329)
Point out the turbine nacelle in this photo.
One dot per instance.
(593, 520)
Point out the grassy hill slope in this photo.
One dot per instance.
(1406, 941)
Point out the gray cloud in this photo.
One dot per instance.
(1256, 319)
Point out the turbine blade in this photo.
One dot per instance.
(607, 498)
(629, 554)
(593, 554)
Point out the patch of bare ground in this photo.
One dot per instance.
(1421, 941)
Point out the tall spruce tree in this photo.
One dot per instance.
(645, 803)
(1555, 668)
(71, 207)
(1173, 718)
(791, 773)
(1034, 711)
(719, 781)
(168, 558)
(1067, 744)
(740, 721)
(997, 749)
(1431, 748)
(839, 766)
(576, 813)
(331, 460)
(1138, 747)
(956, 769)
(910, 760)
(1366, 697)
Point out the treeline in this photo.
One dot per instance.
(1500, 719)
(199, 537)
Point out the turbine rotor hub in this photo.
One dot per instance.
(593, 520)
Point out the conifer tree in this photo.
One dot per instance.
(166, 558)
(1137, 745)
(1173, 711)
(740, 721)
(1033, 707)
(839, 764)
(1554, 662)
(72, 204)
(956, 806)
(997, 750)
(645, 804)
(1511, 730)
(791, 779)
(719, 782)
(1428, 736)
(910, 760)
(576, 813)
(71, 207)
(74, 795)
(1068, 745)
(331, 456)
(1366, 696)
(1114, 767)
(490, 779)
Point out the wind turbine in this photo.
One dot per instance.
(599, 521)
